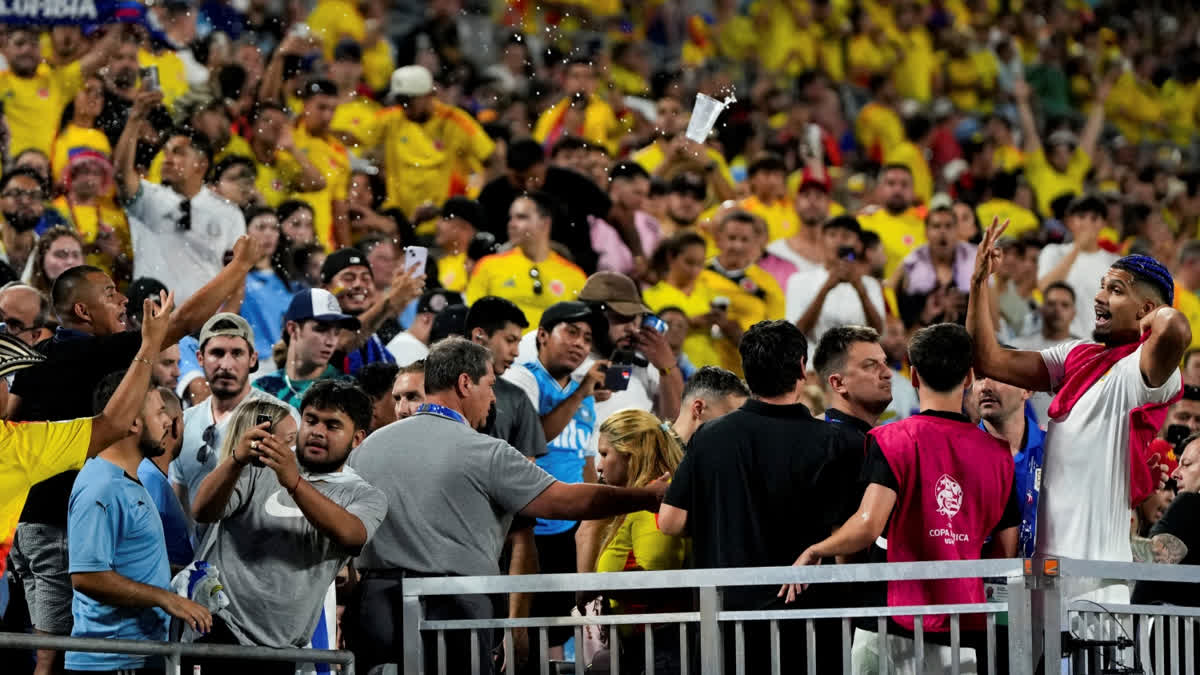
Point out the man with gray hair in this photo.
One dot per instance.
(710, 393)
(435, 488)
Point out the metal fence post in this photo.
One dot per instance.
(711, 643)
(1051, 590)
(1020, 632)
(414, 659)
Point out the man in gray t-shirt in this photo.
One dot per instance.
(284, 530)
(450, 503)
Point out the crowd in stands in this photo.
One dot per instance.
(300, 299)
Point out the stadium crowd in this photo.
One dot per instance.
(300, 299)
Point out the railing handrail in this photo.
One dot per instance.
(1108, 570)
(721, 577)
(173, 649)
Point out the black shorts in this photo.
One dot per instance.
(556, 555)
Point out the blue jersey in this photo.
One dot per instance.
(566, 453)
(1027, 476)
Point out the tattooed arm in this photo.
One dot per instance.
(1166, 549)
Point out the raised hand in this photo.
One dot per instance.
(987, 257)
(156, 318)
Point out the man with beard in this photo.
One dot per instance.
(685, 202)
(900, 231)
(1110, 401)
(118, 555)
(23, 195)
(311, 326)
(35, 93)
(227, 356)
(425, 144)
(1005, 415)
(347, 274)
(316, 512)
(152, 473)
(181, 229)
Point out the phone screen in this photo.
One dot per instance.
(617, 377)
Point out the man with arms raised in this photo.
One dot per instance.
(1111, 399)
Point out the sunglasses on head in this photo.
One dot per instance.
(537, 280)
(185, 216)
(209, 436)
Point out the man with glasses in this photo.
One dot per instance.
(530, 274)
(227, 356)
(24, 312)
(23, 203)
(181, 229)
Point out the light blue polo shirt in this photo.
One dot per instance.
(113, 525)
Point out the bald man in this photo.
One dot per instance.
(24, 312)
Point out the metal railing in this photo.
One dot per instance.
(172, 652)
(1108, 637)
(712, 617)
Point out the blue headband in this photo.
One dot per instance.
(1147, 269)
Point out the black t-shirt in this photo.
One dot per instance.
(62, 388)
(761, 485)
(578, 197)
(1182, 519)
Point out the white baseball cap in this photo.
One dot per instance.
(411, 81)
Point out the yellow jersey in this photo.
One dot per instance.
(277, 181)
(1020, 219)
(878, 128)
(699, 345)
(781, 219)
(900, 235)
(509, 275)
(1048, 184)
(1008, 158)
(600, 124)
(33, 106)
(908, 154)
(73, 139)
(913, 76)
(330, 158)
(172, 78)
(652, 156)
(638, 544)
(88, 221)
(352, 120)
(755, 296)
(33, 452)
(1188, 304)
(1135, 107)
(452, 272)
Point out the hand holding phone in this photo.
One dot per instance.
(415, 258)
(258, 422)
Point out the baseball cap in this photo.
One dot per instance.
(435, 300)
(319, 304)
(482, 244)
(570, 311)
(464, 209)
(411, 81)
(340, 260)
(616, 291)
(807, 180)
(689, 183)
(348, 50)
(450, 321)
(230, 324)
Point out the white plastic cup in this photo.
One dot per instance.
(704, 117)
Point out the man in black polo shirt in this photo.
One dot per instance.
(759, 485)
(91, 343)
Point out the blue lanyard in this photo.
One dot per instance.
(442, 411)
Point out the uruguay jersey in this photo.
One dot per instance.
(566, 453)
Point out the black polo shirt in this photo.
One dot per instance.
(1182, 519)
(62, 388)
(761, 485)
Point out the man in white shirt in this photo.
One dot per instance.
(181, 230)
(1080, 263)
(412, 345)
(840, 293)
(1091, 476)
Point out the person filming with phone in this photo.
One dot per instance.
(842, 292)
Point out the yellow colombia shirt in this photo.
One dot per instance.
(900, 235)
(1020, 219)
(651, 157)
(507, 275)
(352, 120)
(33, 452)
(452, 272)
(600, 124)
(698, 345)
(464, 141)
(781, 219)
(330, 158)
(277, 181)
(877, 129)
(1188, 304)
(33, 106)
(752, 298)
(1048, 184)
(87, 221)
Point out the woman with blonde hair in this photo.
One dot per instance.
(244, 419)
(636, 448)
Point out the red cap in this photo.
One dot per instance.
(1160, 453)
(808, 179)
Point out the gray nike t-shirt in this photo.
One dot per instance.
(275, 565)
